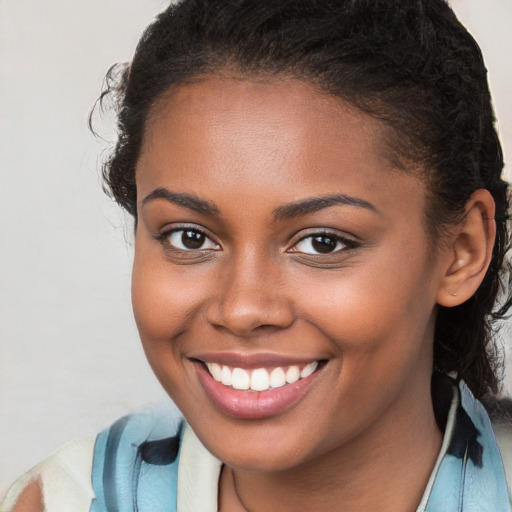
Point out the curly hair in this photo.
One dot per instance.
(409, 63)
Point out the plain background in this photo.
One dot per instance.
(70, 359)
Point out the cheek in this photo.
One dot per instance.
(164, 302)
(376, 314)
(163, 308)
(156, 308)
(380, 327)
(361, 304)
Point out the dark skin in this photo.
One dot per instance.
(31, 499)
(258, 285)
(365, 305)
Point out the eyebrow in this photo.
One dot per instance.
(189, 201)
(315, 204)
(283, 212)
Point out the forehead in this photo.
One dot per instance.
(289, 108)
(277, 138)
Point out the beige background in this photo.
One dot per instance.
(70, 360)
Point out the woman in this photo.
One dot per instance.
(320, 235)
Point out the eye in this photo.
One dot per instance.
(190, 240)
(322, 243)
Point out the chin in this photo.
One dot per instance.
(259, 462)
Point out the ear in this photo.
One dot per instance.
(469, 252)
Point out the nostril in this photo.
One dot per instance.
(249, 317)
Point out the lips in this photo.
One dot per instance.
(255, 388)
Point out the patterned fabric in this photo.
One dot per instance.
(152, 462)
(469, 474)
(136, 465)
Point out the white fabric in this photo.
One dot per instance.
(450, 422)
(198, 476)
(65, 477)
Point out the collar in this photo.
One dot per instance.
(198, 476)
(468, 475)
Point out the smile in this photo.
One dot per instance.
(256, 387)
(260, 379)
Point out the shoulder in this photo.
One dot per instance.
(136, 461)
(61, 482)
(96, 469)
(30, 499)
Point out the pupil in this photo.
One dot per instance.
(324, 244)
(192, 239)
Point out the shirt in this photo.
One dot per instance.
(151, 461)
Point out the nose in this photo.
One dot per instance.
(250, 299)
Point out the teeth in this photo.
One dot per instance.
(293, 374)
(226, 376)
(308, 370)
(277, 378)
(215, 370)
(240, 379)
(259, 379)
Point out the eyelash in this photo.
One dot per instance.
(165, 239)
(347, 244)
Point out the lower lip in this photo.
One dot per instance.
(253, 405)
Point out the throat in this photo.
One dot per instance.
(229, 498)
(397, 484)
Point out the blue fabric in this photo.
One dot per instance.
(471, 479)
(135, 464)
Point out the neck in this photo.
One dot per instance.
(385, 468)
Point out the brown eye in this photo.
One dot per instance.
(324, 244)
(190, 240)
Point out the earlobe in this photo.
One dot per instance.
(470, 251)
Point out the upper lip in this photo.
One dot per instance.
(254, 361)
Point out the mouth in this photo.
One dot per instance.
(260, 379)
(255, 390)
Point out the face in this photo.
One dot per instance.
(284, 285)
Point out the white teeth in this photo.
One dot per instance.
(308, 370)
(292, 374)
(240, 379)
(260, 380)
(226, 378)
(215, 370)
(277, 378)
